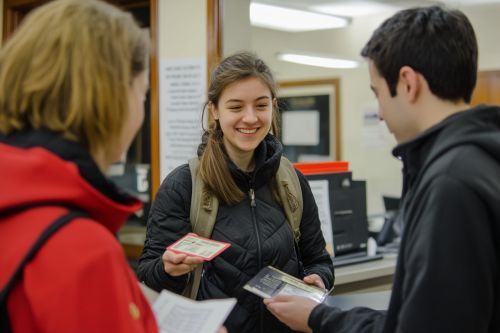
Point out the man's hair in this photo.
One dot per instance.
(436, 42)
(69, 68)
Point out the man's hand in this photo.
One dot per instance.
(315, 280)
(177, 264)
(293, 311)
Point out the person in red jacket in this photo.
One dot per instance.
(73, 80)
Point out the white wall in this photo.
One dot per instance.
(374, 164)
(486, 22)
(182, 60)
(236, 29)
(182, 29)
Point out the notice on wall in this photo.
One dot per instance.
(182, 95)
(293, 124)
(373, 132)
(321, 195)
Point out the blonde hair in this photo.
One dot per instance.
(69, 68)
(213, 168)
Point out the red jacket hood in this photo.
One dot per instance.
(31, 176)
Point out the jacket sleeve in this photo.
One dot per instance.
(80, 282)
(313, 254)
(167, 222)
(450, 266)
(326, 319)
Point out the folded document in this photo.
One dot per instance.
(175, 313)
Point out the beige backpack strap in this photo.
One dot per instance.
(204, 205)
(202, 215)
(290, 194)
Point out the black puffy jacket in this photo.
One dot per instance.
(259, 236)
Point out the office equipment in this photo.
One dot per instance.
(347, 201)
(354, 258)
(389, 230)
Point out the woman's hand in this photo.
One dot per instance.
(176, 264)
(314, 280)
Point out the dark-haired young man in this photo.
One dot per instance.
(423, 67)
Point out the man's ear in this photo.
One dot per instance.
(410, 81)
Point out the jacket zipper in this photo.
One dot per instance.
(251, 194)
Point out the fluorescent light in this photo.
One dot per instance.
(469, 2)
(354, 9)
(292, 20)
(320, 61)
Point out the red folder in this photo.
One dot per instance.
(309, 168)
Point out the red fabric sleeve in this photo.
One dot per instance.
(80, 282)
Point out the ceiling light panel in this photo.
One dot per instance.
(320, 61)
(354, 9)
(292, 20)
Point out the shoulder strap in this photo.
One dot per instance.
(46, 234)
(202, 215)
(290, 194)
(204, 208)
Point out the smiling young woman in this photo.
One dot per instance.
(239, 158)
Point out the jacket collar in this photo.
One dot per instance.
(478, 126)
(267, 159)
(42, 167)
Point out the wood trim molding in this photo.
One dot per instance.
(487, 90)
(13, 13)
(154, 97)
(214, 34)
(335, 83)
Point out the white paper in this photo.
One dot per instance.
(321, 195)
(373, 129)
(175, 313)
(300, 128)
(150, 294)
(182, 95)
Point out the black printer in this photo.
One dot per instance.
(347, 211)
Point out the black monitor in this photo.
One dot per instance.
(391, 203)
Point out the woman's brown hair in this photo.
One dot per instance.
(213, 166)
(69, 68)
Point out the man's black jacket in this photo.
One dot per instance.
(448, 270)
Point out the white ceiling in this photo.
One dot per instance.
(345, 43)
(316, 5)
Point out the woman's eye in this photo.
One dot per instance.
(234, 108)
(262, 106)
